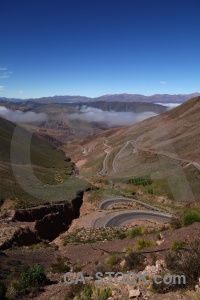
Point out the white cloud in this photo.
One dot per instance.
(163, 82)
(18, 116)
(2, 87)
(170, 105)
(109, 118)
(3, 69)
(6, 74)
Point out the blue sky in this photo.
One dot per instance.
(96, 47)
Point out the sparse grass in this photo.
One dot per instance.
(60, 265)
(128, 250)
(38, 246)
(87, 292)
(112, 260)
(136, 231)
(77, 267)
(104, 293)
(99, 195)
(141, 244)
(91, 235)
(73, 290)
(121, 235)
(33, 277)
(176, 244)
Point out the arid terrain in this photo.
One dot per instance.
(124, 199)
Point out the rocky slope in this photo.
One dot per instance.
(42, 223)
(165, 147)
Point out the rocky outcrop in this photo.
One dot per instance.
(42, 223)
(23, 236)
(38, 212)
(52, 224)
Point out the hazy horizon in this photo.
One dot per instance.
(102, 95)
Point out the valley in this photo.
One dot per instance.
(95, 190)
(99, 150)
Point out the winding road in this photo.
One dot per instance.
(115, 170)
(170, 155)
(120, 218)
(109, 202)
(107, 151)
(135, 144)
(125, 217)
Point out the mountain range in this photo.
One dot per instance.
(157, 98)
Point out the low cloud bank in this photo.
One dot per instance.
(110, 118)
(18, 116)
(170, 105)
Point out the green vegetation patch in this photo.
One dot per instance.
(136, 231)
(141, 244)
(176, 244)
(87, 291)
(33, 276)
(142, 180)
(191, 216)
(112, 260)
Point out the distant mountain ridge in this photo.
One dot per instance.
(161, 98)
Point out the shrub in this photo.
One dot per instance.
(112, 260)
(104, 294)
(141, 244)
(15, 284)
(134, 261)
(144, 230)
(121, 235)
(128, 250)
(136, 231)
(150, 191)
(78, 266)
(33, 277)
(176, 244)
(191, 217)
(73, 290)
(85, 293)
(185, 262)
(60, 265)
